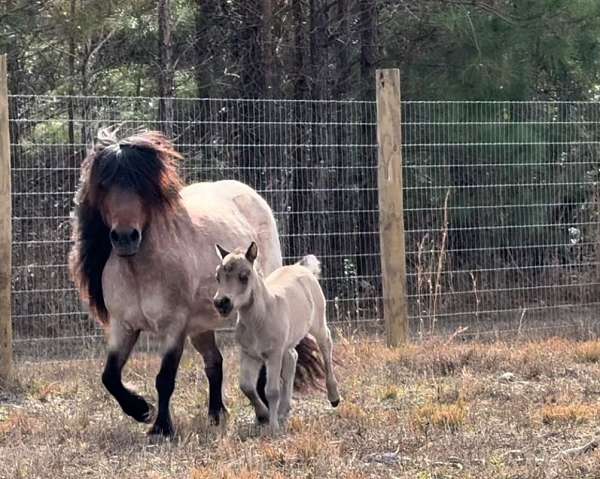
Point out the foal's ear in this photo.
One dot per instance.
(252, 252)
(221, 252)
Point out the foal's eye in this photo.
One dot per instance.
(243, 278)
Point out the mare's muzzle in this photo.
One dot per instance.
(223, 306)
(126, 242)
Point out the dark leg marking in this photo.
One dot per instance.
(132, 404)
(261, 384)
(165, 385)
(206, 345)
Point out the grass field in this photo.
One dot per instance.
(431, 410)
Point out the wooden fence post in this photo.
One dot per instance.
(391, 210)
(6, 354)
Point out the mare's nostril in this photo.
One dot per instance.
(134, 236)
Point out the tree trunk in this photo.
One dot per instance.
(298, 177)
(267, 46)
(252, 71)
(318, 24)
(368, 48)
(166, 83)
(71, 113)
(204, 18)
(342, 47)
(299, 64)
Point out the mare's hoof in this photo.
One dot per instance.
(220, 417)
(164, 430)
(335, 403)
(149, 414)
(144, 413)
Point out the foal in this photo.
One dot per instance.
(274, 314)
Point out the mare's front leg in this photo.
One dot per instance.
(249, 370)
(206, 345)
(165, 385)
(121, 342)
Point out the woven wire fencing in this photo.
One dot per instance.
(501, 208)
(315, 162)
(501, 205)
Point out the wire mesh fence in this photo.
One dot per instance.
(501, 204)
(313, 161)
(502, 215)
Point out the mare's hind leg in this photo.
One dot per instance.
(261, 384)
(323, 338)
(288, 371)
(165, 385)
(121, 342)
(206, 345)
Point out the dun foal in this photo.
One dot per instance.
(274, 314)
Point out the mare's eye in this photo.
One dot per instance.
(243, 278)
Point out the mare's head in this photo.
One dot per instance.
(236, 277)
(124, 184)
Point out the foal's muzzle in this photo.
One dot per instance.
(126, 242)
(223, 306)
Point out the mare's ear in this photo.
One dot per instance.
(252, 252)
(221, 252)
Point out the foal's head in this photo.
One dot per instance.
(235, 277)
(124, 184)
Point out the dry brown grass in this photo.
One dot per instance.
(588, 352)
(434, 410)
(435, 415)
(569, 413)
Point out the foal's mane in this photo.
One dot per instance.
(145, 163)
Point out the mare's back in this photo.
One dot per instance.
(233, 214)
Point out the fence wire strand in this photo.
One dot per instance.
(313, 161)
(501, 204)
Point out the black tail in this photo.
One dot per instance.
(310, 370)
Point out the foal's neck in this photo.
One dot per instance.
(262, 299)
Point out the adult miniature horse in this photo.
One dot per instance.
(143, 260)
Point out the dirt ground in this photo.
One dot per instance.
(433, 410)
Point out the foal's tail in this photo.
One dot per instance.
(311, 263)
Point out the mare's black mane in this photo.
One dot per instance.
(146, 164)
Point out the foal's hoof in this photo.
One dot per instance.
(335, 402)
(164, 430)
(262, 420)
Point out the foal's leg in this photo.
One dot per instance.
(249, 370)
(165, 385)
(288, 371)
(121, 342)
(323, 338)
(206, 345)
(272, 391)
